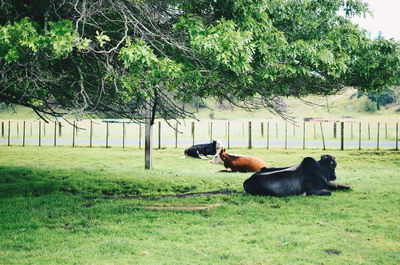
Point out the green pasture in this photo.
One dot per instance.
(82, 206)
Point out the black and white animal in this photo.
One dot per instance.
(310, 177)
(199, 150)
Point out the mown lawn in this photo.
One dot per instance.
(81, 206)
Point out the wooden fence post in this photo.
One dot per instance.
(73, 133)
(249, 135)
(55, 133)
(304, 134)
(40, 133)
(294, 130)
(377, 137)
(351, 130)
(315, 130)
(359, 136)
(176, 134)
(31, 128)
(44, 129)
(9, 132)
(276, 129)
(243, 129)
(2, 129)
(342, 135)
(267, 135)
(229, 126)
(159, 135)
(322, 134)
(193, 132)
(140, 136)
(285, 135)
(334, 130)
(107, 135)
(23, 134)
(59, 129)
(91, 134)
(369, 131)
(386, 130)
(397, 136)
(211, 131)
(262, 129)
(123, 134)
(17, 128)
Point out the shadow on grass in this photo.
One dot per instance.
(28, 181)
(23, 181)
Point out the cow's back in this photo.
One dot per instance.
(247, 164)
(279, 183)
(201, 149)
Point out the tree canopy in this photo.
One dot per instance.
(128, 57)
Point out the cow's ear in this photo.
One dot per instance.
(324, 158)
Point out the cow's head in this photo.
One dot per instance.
(328, 165)
(218, 144)
(217, 158)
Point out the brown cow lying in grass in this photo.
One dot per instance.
(238, 163)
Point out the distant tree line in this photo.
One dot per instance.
(377, 100)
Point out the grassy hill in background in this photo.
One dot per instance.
(344, 104)
(331, 107)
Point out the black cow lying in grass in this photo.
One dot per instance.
(203, 149)
(310, 176)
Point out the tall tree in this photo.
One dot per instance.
(140, 59)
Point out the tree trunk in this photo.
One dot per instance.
(148, 147)
(149, 122)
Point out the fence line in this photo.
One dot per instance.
(201, 131)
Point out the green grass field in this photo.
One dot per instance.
(82, 206)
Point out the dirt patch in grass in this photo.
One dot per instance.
(333, 251)
(183, 195)
(179, 207)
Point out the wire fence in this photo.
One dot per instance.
(323, 134)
